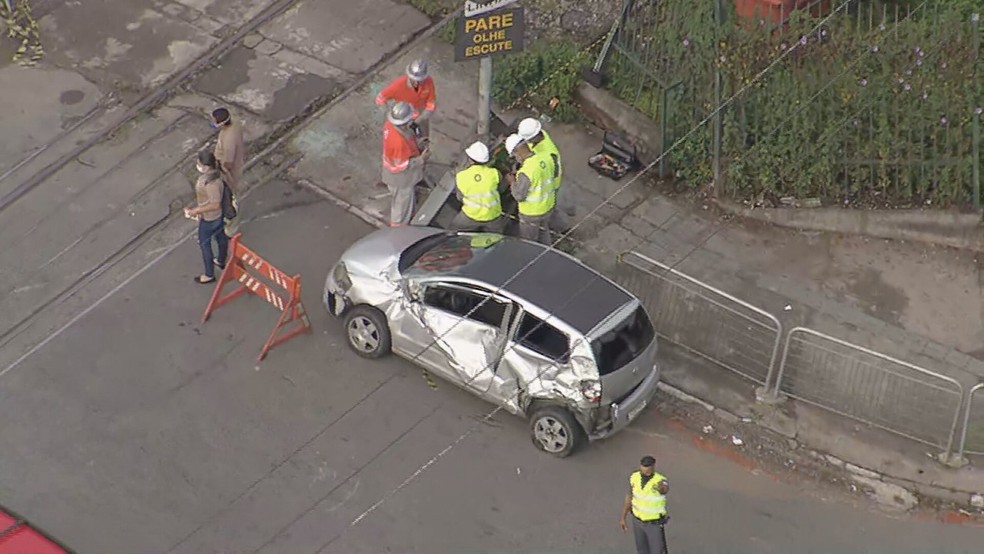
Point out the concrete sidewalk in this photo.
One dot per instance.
(917, 304)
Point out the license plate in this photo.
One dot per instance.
(638, 410)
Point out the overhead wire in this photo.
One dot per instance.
(545, 321)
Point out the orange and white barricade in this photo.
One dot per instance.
(241, 261)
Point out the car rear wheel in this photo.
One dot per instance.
(367, 332)
(555, 431)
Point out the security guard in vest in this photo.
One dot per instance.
(477, 186)
(533, 189)
(647, 502)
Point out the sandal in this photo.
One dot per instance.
(204, 280)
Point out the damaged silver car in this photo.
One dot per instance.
(522, 325)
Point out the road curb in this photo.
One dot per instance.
(944, 228)
(893, 492)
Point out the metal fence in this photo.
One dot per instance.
(870, 387)
(880, 101)
(704, 320)
(972, 436)
(831, 373)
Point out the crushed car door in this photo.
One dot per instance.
(457, 334)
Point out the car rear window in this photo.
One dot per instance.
(624, 343)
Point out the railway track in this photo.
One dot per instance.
(275, 142)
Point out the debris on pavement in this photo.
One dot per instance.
(708, 429)
(736, 440)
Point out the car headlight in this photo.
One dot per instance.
(591, 391)
(341, 277)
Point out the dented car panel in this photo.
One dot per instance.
(515, 322)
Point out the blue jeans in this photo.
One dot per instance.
(207, 230)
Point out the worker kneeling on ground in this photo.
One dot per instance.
(478, 190)
(532, 187)
(532, 131)
(403, 162)
(417, 89)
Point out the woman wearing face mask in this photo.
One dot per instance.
(208, 212)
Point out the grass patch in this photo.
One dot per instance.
(546, 70)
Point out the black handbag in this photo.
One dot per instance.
(228, 202)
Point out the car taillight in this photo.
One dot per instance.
(591, 391)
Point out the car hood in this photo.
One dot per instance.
(379, 252)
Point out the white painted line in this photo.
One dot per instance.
(163, 254)
(96, 304)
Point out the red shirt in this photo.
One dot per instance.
(421, 98)
(397, 149)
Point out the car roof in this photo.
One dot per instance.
(555, 282)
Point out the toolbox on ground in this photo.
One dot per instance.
(616, 158)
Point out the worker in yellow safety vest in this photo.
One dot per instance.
(533, 188)
(477, 186)
(532, 131)
(646, 500)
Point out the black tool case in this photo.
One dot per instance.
(616, 158)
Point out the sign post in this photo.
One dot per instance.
(484, 31)
(484, 95)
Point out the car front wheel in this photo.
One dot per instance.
(367, 332)
(555, 431)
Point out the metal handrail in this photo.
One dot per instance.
(667, 269)
(868, 351)
(962, 443)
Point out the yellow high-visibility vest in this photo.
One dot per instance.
(479, 186)
(542, 196)
(648, 504)
(548, 146)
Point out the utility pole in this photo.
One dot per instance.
(718, 85)
(484, 95)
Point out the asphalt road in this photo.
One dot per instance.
(137, 429)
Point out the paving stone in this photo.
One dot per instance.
(614, 238)
(176, 10)
(935, 350)
(624, 198)
(251, 40)
(268, 47)
(211, 26)
(638, 226)
(957, 359)
(656, 210)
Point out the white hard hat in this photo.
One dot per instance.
(400, 114)
(478, 152)
(529, 128)
(417, 70)
(512, 141)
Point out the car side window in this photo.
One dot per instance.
(465, 303)
(543, 338)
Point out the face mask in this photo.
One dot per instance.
(213, 124)
(201, 168)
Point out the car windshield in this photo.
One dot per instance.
(446, 252)
(421, 247)
(624, 343)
